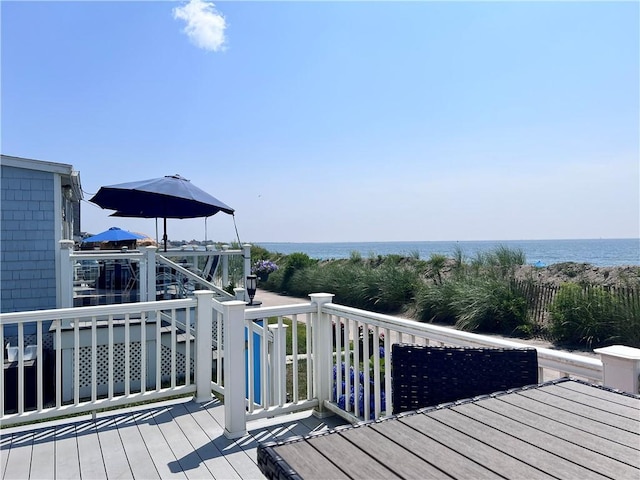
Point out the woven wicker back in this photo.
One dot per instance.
(425, 376)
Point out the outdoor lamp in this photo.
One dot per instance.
(252, 283)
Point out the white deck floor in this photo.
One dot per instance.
(179, 439)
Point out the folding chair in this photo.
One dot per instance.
(210, 267)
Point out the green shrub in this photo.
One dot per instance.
(392, 287)
(459, 262)
(435, 265)
(386, 286)
(260, 253)
(414, 254)
(477, 295)
(434, 303)
(474, 304)
(589, 317)
(292, 263)
(352, 284)
(355, 256)
(628, 327)
(491, 306)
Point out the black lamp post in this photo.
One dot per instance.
(252, 284)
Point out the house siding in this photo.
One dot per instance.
(27, 236)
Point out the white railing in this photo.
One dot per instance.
(266, 361)
(101, 277)
(87, 358)
(372, 333)
(359, 340)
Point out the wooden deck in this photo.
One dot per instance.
(179, 439)
(567, 430)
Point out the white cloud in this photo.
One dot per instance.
(205, 26)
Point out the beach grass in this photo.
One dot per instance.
(479, 294)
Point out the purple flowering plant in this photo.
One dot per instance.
(264, 266)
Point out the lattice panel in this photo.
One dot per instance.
(102, 358)
(180, 361)
(119, 364)
(214, 332)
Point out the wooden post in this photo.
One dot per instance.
(620, 367)
(204, 320)
(235, 419)
(321, 346)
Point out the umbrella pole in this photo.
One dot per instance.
(164, 237)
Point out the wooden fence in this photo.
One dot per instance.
(540, 297)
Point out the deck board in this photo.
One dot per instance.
(140, 460)
(586, 463)
(201, 445)
(66, 454)
(605, 431)
(441, 458)
(159, 450)
(409, 463)
(483, 450)
(312, 466)
(89, 451)
(361, 465)
(114, 456)
(19, 459)
(233, 453)
(532, 432)
(596, 414)
(186, 459)
(596, 401)
(540, 419)
(44, 453)
(601, 393)
(176, 439)
(5, 448)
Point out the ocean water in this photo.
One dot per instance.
(597, 252)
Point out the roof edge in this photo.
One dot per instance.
(39, 165)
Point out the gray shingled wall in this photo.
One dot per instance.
(27, 226)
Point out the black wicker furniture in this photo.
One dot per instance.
(423, 376)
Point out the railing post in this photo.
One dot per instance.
(150, 260)
(204, 321)
(621, 367)
(321, 346)
(143, 283)
(66, 277)
(235, 419)
(239, 293)
(246, 254)
(225, 266)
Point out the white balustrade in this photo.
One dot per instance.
(146, 334)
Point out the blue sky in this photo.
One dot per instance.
(339, 121)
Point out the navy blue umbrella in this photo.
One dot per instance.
(114, 234)
(171, 196)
